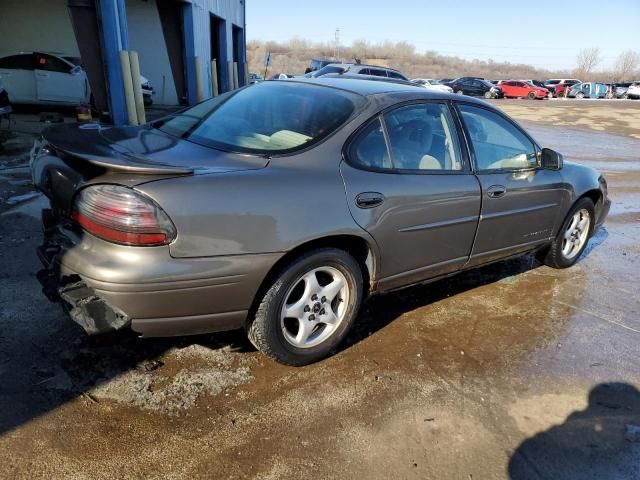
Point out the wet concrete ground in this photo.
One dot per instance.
(511, 371)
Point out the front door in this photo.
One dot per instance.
(409, 186)
(58, 81)
(520, 201)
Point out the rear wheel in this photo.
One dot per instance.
(309, 308)
(573, 236)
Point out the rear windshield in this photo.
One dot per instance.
(265, 118)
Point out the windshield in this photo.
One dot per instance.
(268, 117)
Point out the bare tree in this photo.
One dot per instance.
(626, 64)
(587, 60)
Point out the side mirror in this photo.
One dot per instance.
(551, 160)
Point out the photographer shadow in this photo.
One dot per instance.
(600, 442)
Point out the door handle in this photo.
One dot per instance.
(496, 191)
(369, 199)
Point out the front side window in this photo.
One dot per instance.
(51, 64)
(497, 143)
(268, 117)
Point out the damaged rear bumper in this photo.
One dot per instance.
(105, 286)
(78, 299)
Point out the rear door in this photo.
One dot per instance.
(410, 187)
(520, 201)
(17, 75)
(58, 81)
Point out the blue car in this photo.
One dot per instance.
(588, 90)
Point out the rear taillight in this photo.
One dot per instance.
(121, 215)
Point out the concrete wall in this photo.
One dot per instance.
(28, 25)
(146, 38)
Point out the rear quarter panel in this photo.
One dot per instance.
(293, 200)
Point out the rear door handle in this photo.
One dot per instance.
(496, 191)
(369, 199)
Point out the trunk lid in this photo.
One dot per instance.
(68, 157)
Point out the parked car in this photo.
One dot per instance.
(43, 78)
(432, 84)
(349, 188)
(358, 69)
(255, 77)
(476, 87)
(634, 90)
(522, 89)
(588, 90)
(51, 79)
(145, 84)
(620, 89)
(318, 63)
(557, 85)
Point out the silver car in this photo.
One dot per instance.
(279, 207)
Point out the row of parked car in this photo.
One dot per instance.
(477, 86)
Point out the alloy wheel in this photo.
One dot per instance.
(314, 307)
(576, 234)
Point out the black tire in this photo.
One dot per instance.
(579, 95)
(265, 331)
(531, 95)
(488, 95)
(553, 256)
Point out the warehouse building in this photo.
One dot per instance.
(186, 48)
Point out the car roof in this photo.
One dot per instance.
(368, 86)
(347, 64)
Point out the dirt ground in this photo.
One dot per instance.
(511, 371)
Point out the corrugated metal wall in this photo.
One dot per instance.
(232, 11)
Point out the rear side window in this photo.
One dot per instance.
(17, 62)
(497, 143)
(269, 117)
(377, 72)
(369, 149)
(420, 137)
(392, 74)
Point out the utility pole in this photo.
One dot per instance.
(336, 51)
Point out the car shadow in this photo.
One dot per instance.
(379, 311)
(601, 441)
(47, 361)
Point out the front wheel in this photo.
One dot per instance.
(579, 95)
(573, 236)
(309, 308)
(488, 95)
(532, 95)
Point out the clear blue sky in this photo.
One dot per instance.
(505, 30)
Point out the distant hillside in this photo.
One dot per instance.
(293, 57)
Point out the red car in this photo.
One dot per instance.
(520, 88)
